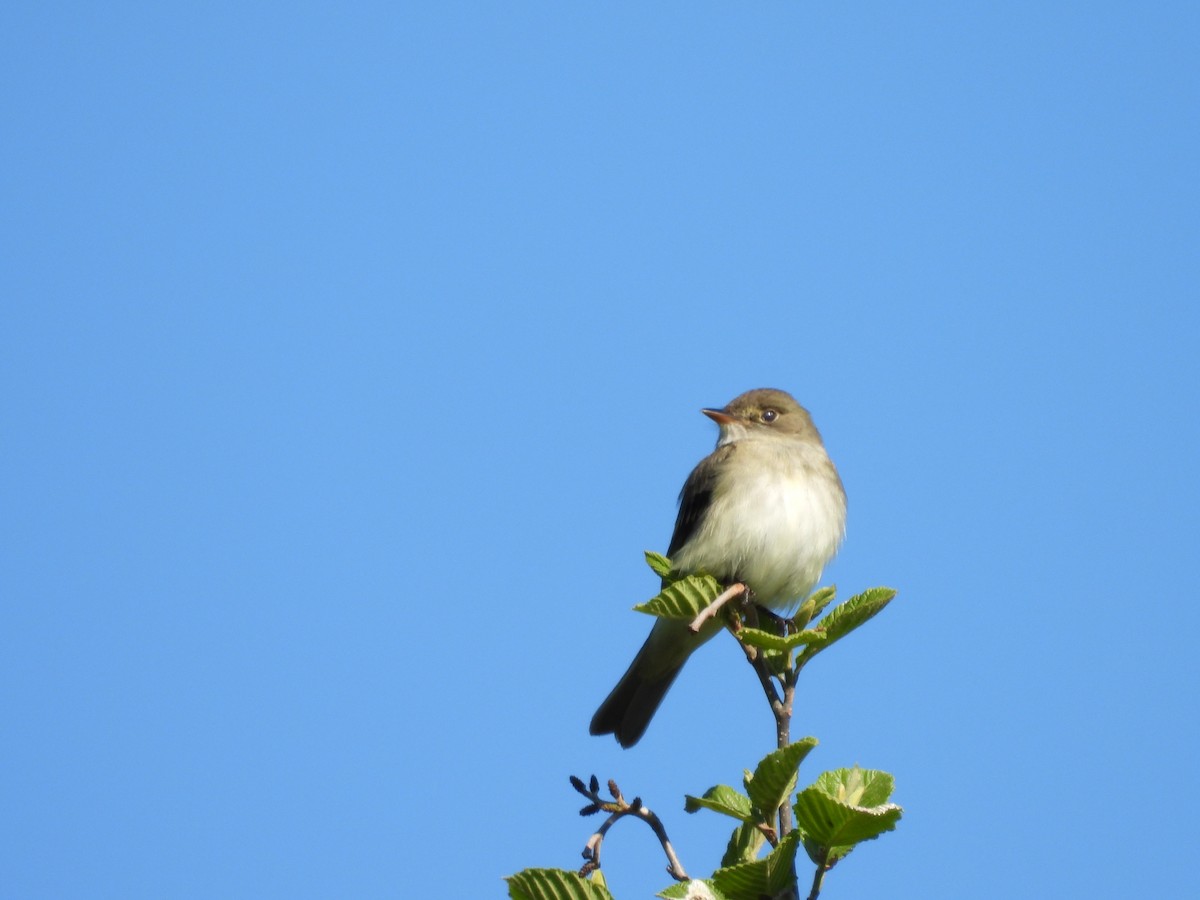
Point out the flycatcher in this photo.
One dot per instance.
(765, 508)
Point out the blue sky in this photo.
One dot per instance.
(352, 356)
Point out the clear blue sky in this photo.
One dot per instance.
(352, 356)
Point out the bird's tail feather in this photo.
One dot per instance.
(631, 705)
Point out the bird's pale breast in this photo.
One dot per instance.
(777, 520)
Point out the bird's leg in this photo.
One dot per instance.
(750, 612)
(748, 607)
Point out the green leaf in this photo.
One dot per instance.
(683, 599)
(845, 617)
(553, 884)
(692, 890)
(831, 820)
(812, 607)
(775, 776)
(765, 640)
(858, 787)
(763, 877)
(659, 563)
(723, 799)
(744, 844)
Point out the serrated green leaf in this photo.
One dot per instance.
(723, 799)
(845, 617)
(832, 824)
(812, 607)
(775, 777)
(763, 877)
(858, 787)
(553, 884)
(765, 640)
(683, 599)
(659, 563)
(692, 890)
(775, 649)
(744, 844)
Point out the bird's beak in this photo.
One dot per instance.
(719, 416)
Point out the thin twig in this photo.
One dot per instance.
(734, 590)
(783, 722)
(781, 708)
(764, 677)
(819, 876)
(618, 809)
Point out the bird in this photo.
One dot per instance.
(766, 508)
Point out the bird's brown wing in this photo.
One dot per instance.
(696, 496)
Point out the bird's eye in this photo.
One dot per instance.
(769, 415)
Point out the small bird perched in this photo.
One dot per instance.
(766, 508)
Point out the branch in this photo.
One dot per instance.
(734, 590)
(619, 809)
(781, 708)
(783, 724)
(764, 677)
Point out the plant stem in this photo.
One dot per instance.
(783, 721)
(737, 589)
(618, 810)
(818, 877)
